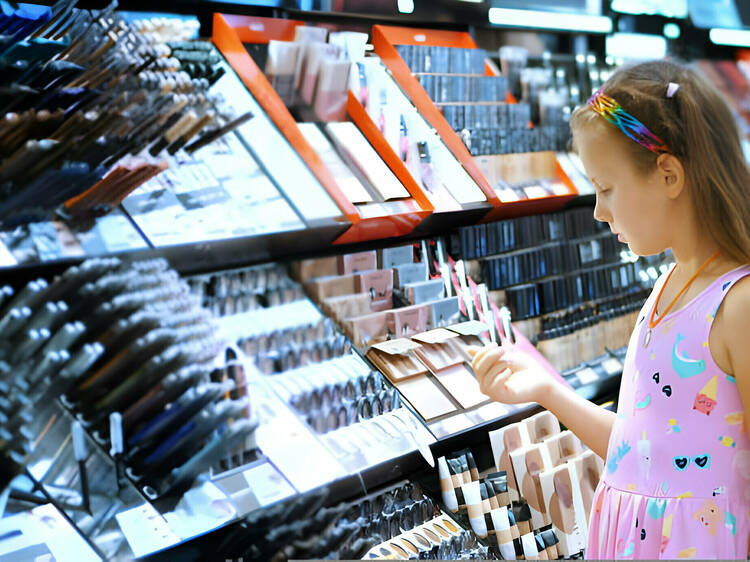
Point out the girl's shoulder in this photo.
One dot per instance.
(731, 326)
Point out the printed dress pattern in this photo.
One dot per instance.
(677, 478)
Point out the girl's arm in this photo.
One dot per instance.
(513, 377)
(731, 327)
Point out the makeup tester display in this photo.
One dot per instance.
(130, 352)
(83, 90)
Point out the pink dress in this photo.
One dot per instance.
(677, 478)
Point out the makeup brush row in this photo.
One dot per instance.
(130, 352)
(83, 89)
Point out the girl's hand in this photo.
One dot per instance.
(509, 376)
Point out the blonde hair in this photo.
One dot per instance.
(699, 129)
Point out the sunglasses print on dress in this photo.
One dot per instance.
(703, 462)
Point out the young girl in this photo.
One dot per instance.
(663, 152)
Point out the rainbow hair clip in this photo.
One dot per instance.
(615, 114)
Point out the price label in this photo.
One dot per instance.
(612, 366)
(587, 375)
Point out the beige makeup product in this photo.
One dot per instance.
(346, 306)
(528, 463)
(418, 537)
(454, 467)
(446, 486)
(409, 320)
(487, 506)
(504, 441)
(440, 530)
(589, 473)
(522, 516)
(473, 470)
(550, 542)
(563, 447)
(473, 497)
(398, 550)
(460, 383)
(501, 523)
(565, 507)
(437, 356)
(378, 283)
(530, 551)
(450, 525)
(425, 397)
(359, 261)
(465, 471)
(514, 532)
(541, 547)
(570, 445)
(367, 330)
(394, 358)
(499, 482)
(331, 90)
(542, 425)
(430, 534)
(331, 286)
(492, 495)
(305, 270)
(314, 54)
(408, 545)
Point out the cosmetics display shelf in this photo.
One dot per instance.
(230, 33)
(56, 468)
(52, 246)
(244, 197)
(385, 40)
(247, 198)
(53, 476)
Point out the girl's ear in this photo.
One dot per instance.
(672, 174)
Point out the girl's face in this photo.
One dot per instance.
(630, 201)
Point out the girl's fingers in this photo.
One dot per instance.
(476, 352)
(495, 380)
(488, 377)
(483, 361)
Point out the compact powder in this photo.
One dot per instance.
(440, 530)
(421, 540)
(410, 546)
(450, 525)
(462, 385)
(431, 535)
(399, 550)
(425, 397)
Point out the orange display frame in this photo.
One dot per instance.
(230, 33)
(384, 40)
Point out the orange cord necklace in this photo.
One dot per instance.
(653, 323)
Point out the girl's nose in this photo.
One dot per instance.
(601, 213)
